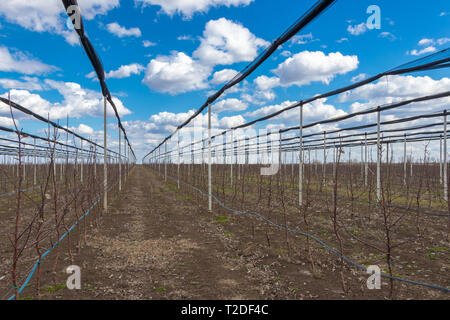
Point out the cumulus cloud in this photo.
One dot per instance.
(125, 71)
(223, 76)
(306, 67)
(147, 44)
(317, 110)
(77, 102)
(267, 83)
(49, 15)
(226, 42)
(388, 35)
(232, 104)
(121, 32)
(26, 83)
(395, 88)
(359, 77)
(303, 38)
(177, 73)
(187, 8)
(415, 52)
(358, 29)
(20, 62)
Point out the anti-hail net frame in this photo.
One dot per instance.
(376, 172)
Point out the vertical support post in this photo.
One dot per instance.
(165, 161)
(232, 159)
(120, 160)
(179, 160)
(404, 161)
(440, 161)
(209, 160)
(81, 160)
(35, 163)
(445, 157)
(324, 165)
(300, 164)
(362, 161)
(105, 159)
(378, 156)
(366, 162)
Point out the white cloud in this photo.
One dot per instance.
(303, 38)
(121, 32)
(317, 110)
(286, 53)
(229, 105)
(415, 52)
(147, 44)
(342, 40)
(306, 67)
(188, 7)
(388, 35)
(426, 42)
(125, 71)
(397, 87)
(442, 41)
(265, 83)
(226, 42)
(49, 15)
(175, 74)
(84, 130)
(359, 77)
(27, 83)
(184, 38)
(8, 122)
(77, 102)
(223, 76)
(357, 30)
(22, 63)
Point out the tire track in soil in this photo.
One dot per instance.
(153, 245)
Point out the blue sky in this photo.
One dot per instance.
(162, 58)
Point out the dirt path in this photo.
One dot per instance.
(157, 243)
(152, 245)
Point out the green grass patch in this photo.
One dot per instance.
(161, 289)
(222, 219)
(52, 289)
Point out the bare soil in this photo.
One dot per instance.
(156, 242)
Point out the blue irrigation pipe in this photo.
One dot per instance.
(30, 275)
(311, 236)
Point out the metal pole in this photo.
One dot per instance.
(165, 161)
(445, 157)
(232, 159)
(35, 162)
(324, 166)
(440, 160)
(300, 164)
(120, 160)
(105, 159)
(404, 162)
(81, 161)
(209, 160)
(179, 160)
(378, 157)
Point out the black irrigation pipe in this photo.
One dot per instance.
(96, 63)
(303, 21)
